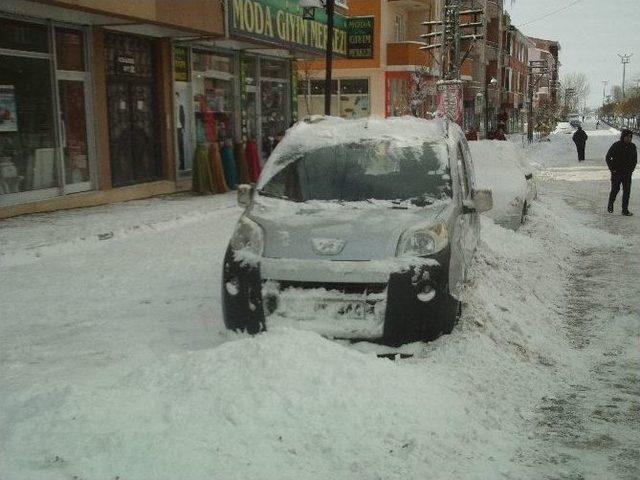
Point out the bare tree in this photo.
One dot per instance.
(574, 91)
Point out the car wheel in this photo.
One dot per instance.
(450, 311)
(525, 210)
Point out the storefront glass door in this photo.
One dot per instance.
(73, 126)
(45, 148)
(133, 127)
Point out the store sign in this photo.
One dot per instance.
(181, 64)
(125, 64)
(280, 22)
(360, 37)
(450, 100)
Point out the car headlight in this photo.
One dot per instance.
(423, 240)
(248, 236)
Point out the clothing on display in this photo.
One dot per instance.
(241, 162)
(219, 181)
(229, 165)
(202, 173)
(253, 161)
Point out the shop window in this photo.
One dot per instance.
(213, 97)
(349, 99)
(27, 145)
(69, 49)
(354, 98)
(16, 35)
(270, 68)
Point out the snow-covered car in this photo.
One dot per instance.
(501, 167)
(360, 229)
(575, 123)
(564, 127)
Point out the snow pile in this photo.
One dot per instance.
(291, 404)
(498, 167)
(120, 374)
(30, 238)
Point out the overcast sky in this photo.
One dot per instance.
(591, 34)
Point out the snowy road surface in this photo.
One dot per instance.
(114, 362)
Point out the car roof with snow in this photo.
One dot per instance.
(323, 131)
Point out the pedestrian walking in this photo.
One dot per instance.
(621, 159)
(580, 139)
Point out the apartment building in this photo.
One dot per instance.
(515, 74)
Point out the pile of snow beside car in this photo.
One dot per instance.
(288, 404)
(501, 167)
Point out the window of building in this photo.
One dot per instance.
(350, 98)
(400, 28)
(44, 142)
(69, 49)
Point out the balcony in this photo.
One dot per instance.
(407, 53)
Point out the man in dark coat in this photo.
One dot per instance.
(580, 139)
(621, 159)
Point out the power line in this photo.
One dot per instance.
(550, 13)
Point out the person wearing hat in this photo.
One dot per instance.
(621, 159)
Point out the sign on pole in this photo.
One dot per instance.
(450, 100)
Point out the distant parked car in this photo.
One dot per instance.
(564, 127)
(360, 229)
(575, 123)
(501, 167)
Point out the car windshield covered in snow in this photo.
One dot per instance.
(365, 170)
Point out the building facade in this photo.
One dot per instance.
(88, 85)
(111, 101)
(515, 76)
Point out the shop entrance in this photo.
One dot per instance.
(133, 129)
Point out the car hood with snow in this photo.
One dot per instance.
(335, 231)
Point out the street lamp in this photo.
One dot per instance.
(493, 82)
(308, 12)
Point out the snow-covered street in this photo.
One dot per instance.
(115, 363)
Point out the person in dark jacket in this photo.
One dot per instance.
(621, 159)
(580, 139)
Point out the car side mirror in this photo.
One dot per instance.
(482, 200)
(245, 192)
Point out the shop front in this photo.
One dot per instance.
(230, 107)
(46, 146)
(234, 98)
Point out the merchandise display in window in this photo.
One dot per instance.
(27, 136)
(349, 98)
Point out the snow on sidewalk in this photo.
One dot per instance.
(29, 237)
(289, 404)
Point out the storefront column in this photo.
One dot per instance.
(164, 79)
(101, 116)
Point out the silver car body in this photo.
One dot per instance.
(335, 243)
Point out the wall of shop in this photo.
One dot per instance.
(204, 16)
(85, 111)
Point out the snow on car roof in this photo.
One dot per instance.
(321, 131)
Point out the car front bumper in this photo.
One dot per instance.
(392, 300)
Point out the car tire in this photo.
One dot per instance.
(525, 210)
(450, 311)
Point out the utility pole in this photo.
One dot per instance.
(604, 91)
(536, 70)
(624, 58)
(447, 35)
(308, 12)
(330, 6)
